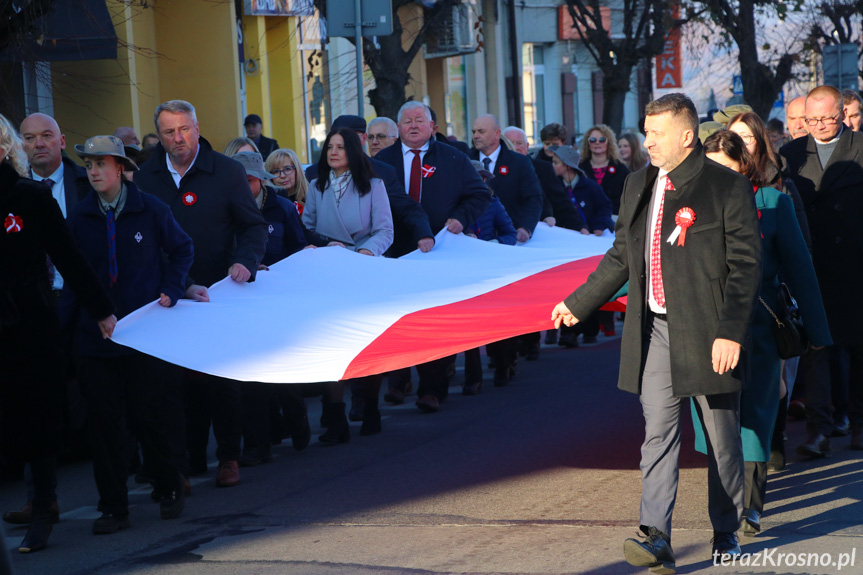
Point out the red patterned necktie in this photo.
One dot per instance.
(655, 252)
(416, 177)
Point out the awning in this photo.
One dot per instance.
(73, 30)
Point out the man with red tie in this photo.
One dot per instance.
(687, 240)
(450, 192)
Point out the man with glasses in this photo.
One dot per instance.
(827, 167)
(382, 133)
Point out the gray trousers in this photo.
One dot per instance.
(720, 415)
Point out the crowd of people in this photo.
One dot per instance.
(166, 217)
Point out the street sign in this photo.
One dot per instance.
(737, 85)
(377, 18)
(840, 66)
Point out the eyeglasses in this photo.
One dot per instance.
(595, 140)
(747, 138)
(812, 122)
(283, 171)
(380, 137)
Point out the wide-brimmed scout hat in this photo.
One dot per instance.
(106, 146)
(707, 129)
(568, 155)
(253, 162)
(724, 116)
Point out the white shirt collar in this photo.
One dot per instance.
(839, 135)
(407, 149)
(493, 156)
(174, 172)
(56, 177)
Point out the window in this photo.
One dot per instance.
(533, 82)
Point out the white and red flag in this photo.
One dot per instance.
(331, 314)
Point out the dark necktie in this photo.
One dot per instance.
(416, 177)
(52, 271)
(112, 247)
(487, 162)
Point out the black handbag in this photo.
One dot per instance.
(791, 340)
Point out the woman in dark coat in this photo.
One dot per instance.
(600, 161)
(31, 353)
(783, 252)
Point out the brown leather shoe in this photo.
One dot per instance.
(25, 515)
(229, 474)
(428, 404)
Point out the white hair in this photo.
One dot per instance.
(412, 105)
(517, 129)
(392, 129)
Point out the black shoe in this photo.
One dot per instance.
(842, 427)
(533, 352)
(37, 535)
(471, 388)
(725, 546)
(172, 504)
(358, 405)
(751, 522)
(588, 339)
(568, 340)
(371, 419)
(551, 337)
(301, 431)
(338, 430)
(110, 523)
(501, 377)
(654, 551)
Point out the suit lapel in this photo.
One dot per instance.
(841, 159)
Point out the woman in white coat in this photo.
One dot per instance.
(349, 206)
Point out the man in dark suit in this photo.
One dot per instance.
(557, 208)
(450, 192)
(517, 187)
(827, 167)
(210, 198)
(254, 126)
(691, 298)
(44, 145)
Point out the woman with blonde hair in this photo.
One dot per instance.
(600, 161)
(241, 144)
(31, 350)
(289, 177)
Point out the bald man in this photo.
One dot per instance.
(795, 116)
(128, 135)
(827, 167)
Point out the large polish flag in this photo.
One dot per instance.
(330, 314)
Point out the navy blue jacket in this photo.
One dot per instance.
(516, 186)
(153, 256)
(556, 202)
(285, 232)
(612, 182)
(592, 204)
(215, 206)
(453, 190)
(495, 224)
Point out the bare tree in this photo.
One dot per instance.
(390, 60)
(618, 52)
(16, 20)
(739, 21)
(838, 22)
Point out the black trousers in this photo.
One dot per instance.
(144, 393)
(504, 353)
(211, 399)
(433, 378)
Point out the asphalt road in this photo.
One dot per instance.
(539, 477)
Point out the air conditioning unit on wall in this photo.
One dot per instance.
(454, 35)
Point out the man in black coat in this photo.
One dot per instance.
(254, 127)
(691, 299)
(557, 208)
(210, 198)
(827, 167)
(450, 192)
